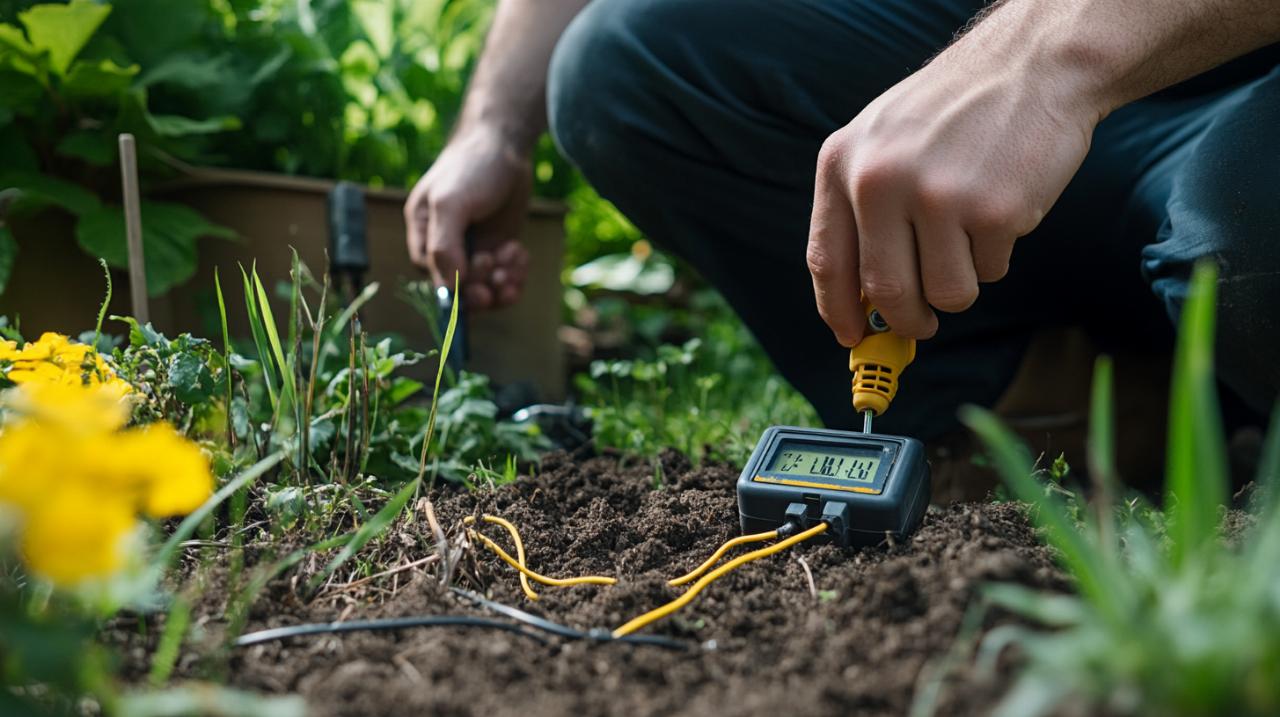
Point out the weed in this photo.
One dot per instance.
(1168, 619)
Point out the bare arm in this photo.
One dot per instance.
(482, 180)
(921, 197)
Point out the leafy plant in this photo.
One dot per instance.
(708, 398)
(1176, 623)
(66, 92)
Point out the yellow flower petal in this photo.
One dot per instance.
(76, 535)
(179, 478)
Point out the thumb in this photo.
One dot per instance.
(446, 246)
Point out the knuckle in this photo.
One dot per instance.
(819, 263)
(992, 215)
(831, 155)
(951, 297)
(884, 290)
(989, 271)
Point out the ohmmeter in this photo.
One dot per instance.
(864, 485)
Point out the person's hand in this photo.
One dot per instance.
(480, 184)
(921, 196)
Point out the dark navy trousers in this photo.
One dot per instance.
(702, 119)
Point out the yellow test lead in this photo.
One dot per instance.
(515, 538)
(524, 569)
(730, 544)
(691, 593)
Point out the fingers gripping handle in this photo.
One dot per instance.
(876, 363)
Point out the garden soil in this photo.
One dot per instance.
(812, 631)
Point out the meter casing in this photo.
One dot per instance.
(891, 504)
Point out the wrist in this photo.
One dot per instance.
(1075, 71)
(498, 124)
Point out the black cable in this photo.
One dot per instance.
(393, 623)
(555, 628)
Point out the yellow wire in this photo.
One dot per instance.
(659, 613)
(705, 566)
(519, 565)
(515, 538)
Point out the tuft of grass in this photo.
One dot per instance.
(1171, 624)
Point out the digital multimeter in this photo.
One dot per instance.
(864, 485)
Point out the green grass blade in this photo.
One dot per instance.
(273, 337)
(367, 293)
(106, 301)
(1080, 556)
(175, 630)
(370, 530)
(259, 338)
(226, 358)
(445, 346)
(1101, 452)
(1196, 484)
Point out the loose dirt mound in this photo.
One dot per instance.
(853, 643)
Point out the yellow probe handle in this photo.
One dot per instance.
(876, 363)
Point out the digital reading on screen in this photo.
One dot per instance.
(807, 460)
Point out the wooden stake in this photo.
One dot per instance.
(133, 228)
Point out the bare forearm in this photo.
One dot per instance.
(508, 90)
(1117, 51)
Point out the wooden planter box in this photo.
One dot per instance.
(57, 287)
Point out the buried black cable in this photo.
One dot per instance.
(394, 623)
(555, 628)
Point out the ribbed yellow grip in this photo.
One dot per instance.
(876, 364)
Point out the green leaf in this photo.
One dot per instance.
(287, 391)
(178, 126)
(43, 189)
(142, 335)
(259, 337)
(103, 78)
(21, 55)
(95, 148)
(63, 30)
(8, 255)
(376, 20)
(169, 234)
(190, 379)
(1196, 458)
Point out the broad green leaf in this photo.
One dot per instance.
(169, 234)
(44, 189)
(97, 79)
(142, 335)
(21, 55)
(1196, 458)
(376, 20)
(190, 379)
(95, 148)
(8, 255)
(178, 126)
(63, 30)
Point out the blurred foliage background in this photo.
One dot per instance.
(362, 90)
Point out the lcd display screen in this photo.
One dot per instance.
(793, 459)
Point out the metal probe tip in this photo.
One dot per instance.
(867, 415)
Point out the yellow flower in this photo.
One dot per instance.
(74, 534)
(78, 479)
(56, 359)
